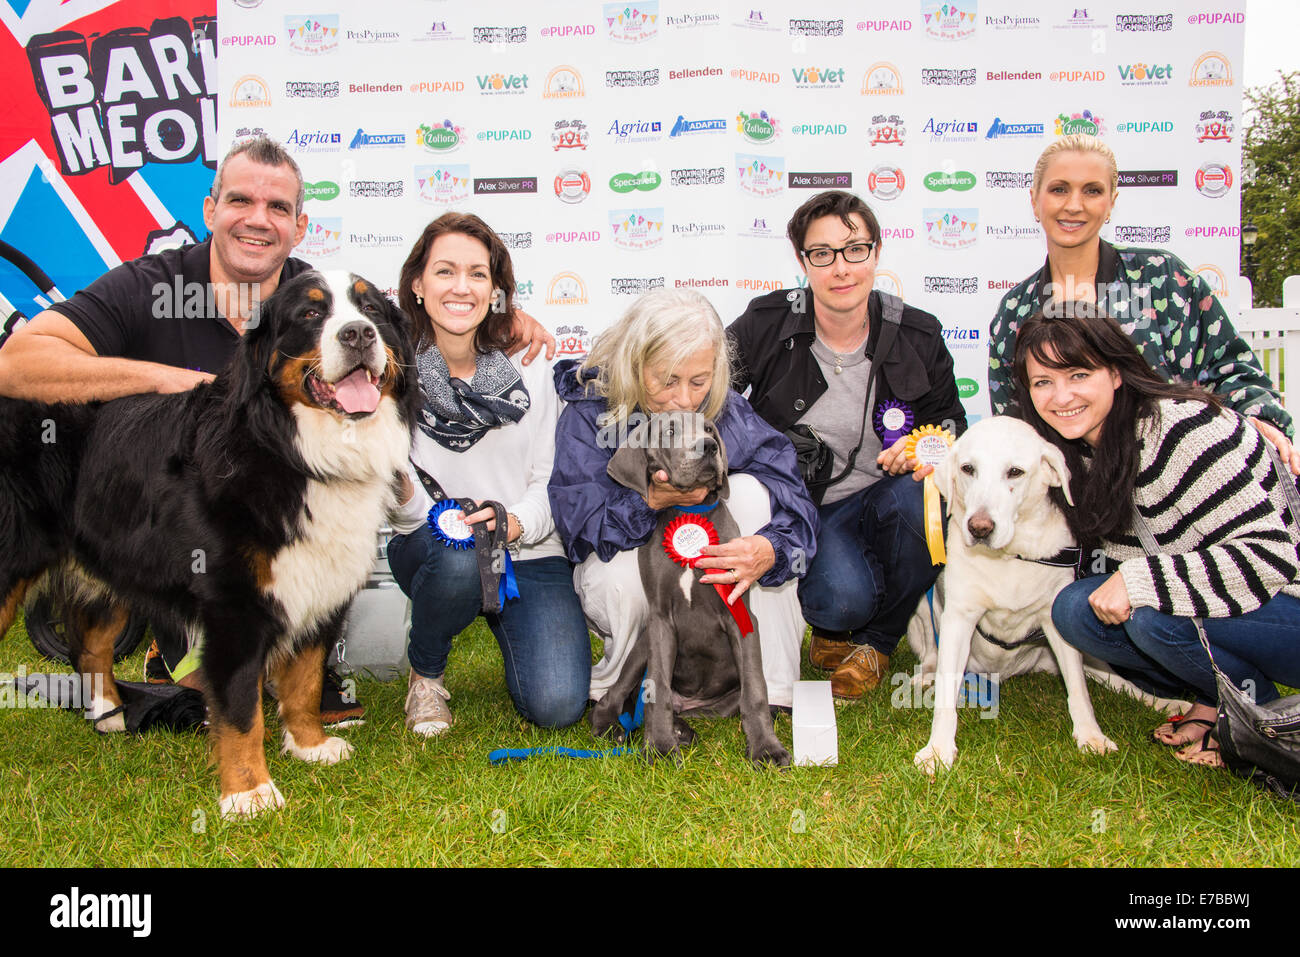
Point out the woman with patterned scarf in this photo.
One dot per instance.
(486, 433)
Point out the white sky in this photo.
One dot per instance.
(1271, 30)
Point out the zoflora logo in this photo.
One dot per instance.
(1084, 122)
(645, 181)
(324, 190)
(757, 127)
(940, 180)
(967, 388)
(439, 139)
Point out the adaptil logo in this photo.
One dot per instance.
(818, 77)
(887, 281)
(886, 130)
(1211, 69)
(1082, 122)
(958, 181)
(443, 184)
(445, 137)
(1213, 180)
(1215, 125)
(760, 175)
(324, 237)
(636, 229)
(250, 91)
(758, 127)
(882, 79)
(886, 182)
(632, 23)
(949, 20)
(566, 289)
(563, 83)
(999, 129)
(569, 135)
(951, 228)
(1214, 278)
(313, 35)
(502, 84)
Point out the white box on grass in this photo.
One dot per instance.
(815, 739)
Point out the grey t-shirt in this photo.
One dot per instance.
(837, 418)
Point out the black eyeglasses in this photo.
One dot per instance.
(852, 253)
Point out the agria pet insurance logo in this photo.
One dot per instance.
(951, 228)
(313, 35)
(632, 22)
(949, 19)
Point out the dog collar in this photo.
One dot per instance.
(697, 509)
(1068, 557)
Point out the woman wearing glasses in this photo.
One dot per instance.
(856, 370)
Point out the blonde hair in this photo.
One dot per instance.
(1076, 143)
(664, 327)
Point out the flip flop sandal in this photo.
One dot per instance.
(1175, 725)
(1207, 756)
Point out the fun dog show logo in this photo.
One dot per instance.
(761, 176)
(324, 237)
(817, 77)
(882, 79)
(563, 83)
(250, 91)
(1213, 180)
(632, 23)
(886, 129)
(502, 84)
(441, 138)
(443, 184)
(313, 35)
(886, 182)
(1216, 126)
(758, 128)
(637, 229)
(566, 289)
(951, 229)
(1211, 70)
(949, 19)
(572, 185)
(569, 135)
(1085, 121)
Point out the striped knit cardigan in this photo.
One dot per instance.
(1211, 497)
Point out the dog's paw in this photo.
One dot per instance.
(330, 751)
(605, 725)
(769, 752)
(657, 750)
(932, 758)
(685, 733)
(1095, 742)
(110, 725)
(249, 804)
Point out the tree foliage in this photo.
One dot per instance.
(1272, 201)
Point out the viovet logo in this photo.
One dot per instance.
(951, 228)
(949, 19)
(313, 35)
(443, 184)
(632, 23)
(882, 79)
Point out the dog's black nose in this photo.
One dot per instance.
(357, 334)
(706, 446)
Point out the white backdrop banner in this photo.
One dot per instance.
(620, 147)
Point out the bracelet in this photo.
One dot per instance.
(513, 547)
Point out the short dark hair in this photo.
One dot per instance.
(267, 152)
(833, 202)
(495, 331)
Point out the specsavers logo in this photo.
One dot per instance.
(443, 184)
(959, 181)
(644, 181)
(951, 228)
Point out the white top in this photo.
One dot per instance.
(511, 464)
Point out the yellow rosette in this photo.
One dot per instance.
(929, 445)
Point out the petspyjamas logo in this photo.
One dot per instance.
(139, 98)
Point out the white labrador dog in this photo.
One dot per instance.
(1001, 528)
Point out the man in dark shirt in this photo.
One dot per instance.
(167, 322)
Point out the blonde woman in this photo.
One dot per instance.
(1170, 313)
(669, 353)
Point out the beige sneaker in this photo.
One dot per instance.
(426, 706)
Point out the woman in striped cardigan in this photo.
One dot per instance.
(1201, 478)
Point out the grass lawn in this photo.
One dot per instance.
(1020, 792)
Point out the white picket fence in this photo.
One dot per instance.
(1274, 334)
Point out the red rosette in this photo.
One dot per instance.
(684, 544)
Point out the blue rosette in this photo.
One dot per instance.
(447, 522)
(893, 420)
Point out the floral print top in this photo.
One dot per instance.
(1176, 322)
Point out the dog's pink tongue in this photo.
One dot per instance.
(356, 393)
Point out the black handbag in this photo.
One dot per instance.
(814, 455)
(1258, 742)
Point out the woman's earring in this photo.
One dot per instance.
(419, 300)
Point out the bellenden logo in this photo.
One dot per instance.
(998, 128)
(685, 127)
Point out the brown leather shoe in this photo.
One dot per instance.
(862, 671)
(828, 653)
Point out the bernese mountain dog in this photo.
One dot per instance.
(244, 511)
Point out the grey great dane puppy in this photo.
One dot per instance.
(691, 649)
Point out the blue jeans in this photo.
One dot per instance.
(1161, 653)
(542, 633)
(872, 564)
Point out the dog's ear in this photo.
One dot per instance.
(630, 464)
(724, 486)
(1055, 471)
(252, 363)
(945, 474)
